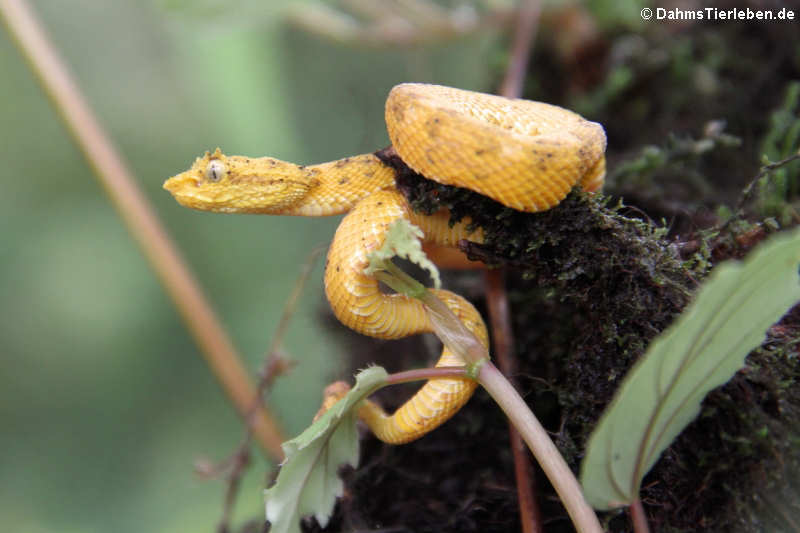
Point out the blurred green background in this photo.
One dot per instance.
(104, 401)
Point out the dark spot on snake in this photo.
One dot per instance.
(338, 269)
(379, 203)
(480, 151)
(398, 111)
(343, 181)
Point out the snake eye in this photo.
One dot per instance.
(216, 170)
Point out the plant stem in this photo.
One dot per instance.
(527, 24)
(638, 518)
(452, 332)
(546, 453)
(419, 374)
(503, 349)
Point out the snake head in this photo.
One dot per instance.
(238, 184)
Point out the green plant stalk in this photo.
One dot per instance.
(460, 340)
(542, 447)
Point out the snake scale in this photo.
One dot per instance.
(526, 155)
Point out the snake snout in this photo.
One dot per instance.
(179, 183)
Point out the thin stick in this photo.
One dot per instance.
(503, 343)
(496, 297)
(766, 169)
(525, 32)
(238, 462)
(139, 218)
(419, 374)
(638, 518)
(274, 365)
(291, 303)
(748, 191)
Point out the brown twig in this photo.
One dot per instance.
(236, 464)
(418, 374)
(524, 34)
(139, 218)
(638, 518)
(503, 343)
(268, 370)
(496, 297)
(275, 364)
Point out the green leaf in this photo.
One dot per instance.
(308, 482)
(402, 240)
(702, 350)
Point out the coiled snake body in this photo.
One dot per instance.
(526, 155)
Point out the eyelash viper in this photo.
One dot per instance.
(525, 155)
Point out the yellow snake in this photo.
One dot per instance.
(525, 155)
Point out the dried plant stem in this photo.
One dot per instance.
(638, 518)
(139, 218)
(496, 297)
(525, 32)
(751, 188)
(275, 364)
(503, 344)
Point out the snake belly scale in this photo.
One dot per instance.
(525, 155)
